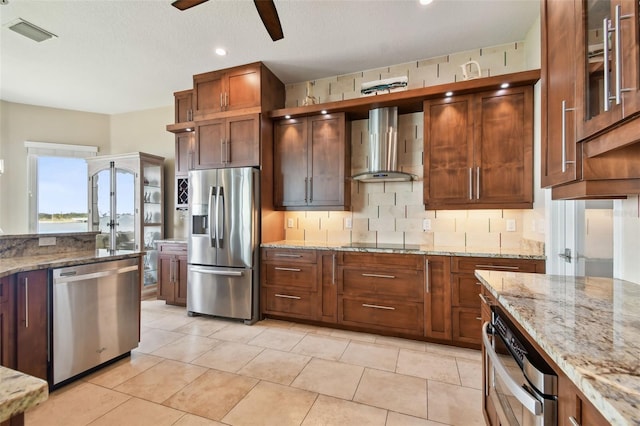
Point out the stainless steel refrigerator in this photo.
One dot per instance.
(222, 277)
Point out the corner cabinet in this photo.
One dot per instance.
(311, 163)
(478, 150)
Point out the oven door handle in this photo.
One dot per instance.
(524, 397)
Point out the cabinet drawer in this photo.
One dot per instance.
(290, 255)
(382, 314)
(469, 264)
(466, 325)
(290, 275)
(374, 260)
(290, 302)
(406, 284)
(173, 248)
(465, 291)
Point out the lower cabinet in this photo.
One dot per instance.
(31, 327)
(437, 305)
(172, 277)
(573, 408)
(328, 264)
(7, 324)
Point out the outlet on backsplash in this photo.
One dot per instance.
(47, 241)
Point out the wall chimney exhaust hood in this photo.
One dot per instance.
(383, 148)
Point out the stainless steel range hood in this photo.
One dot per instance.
(383, 148)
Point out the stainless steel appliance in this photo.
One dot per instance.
(95, 315)
(222, 251)
(520, 383)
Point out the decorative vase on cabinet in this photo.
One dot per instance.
(126, 205)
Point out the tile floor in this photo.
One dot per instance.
(201, 371)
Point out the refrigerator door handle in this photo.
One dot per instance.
(220, 217)
(212, 228)
(215, 272)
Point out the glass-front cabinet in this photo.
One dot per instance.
(126, 205)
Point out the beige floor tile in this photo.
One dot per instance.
(191, 420)
(333, 411)
(368, 355)
(161, 381)
(271, 404)
(115, 374)
(212, 394)
(404, 394)
(273, 323)
(203, 326)
(275, 366)
(329, 378)
(321, 347)
(228, 356)
(236, 332)
(187, 348)
(280, 339)
(397, 342)
(77, 404)
(470, 373)
(137, 412)
(354, 335)
(153, 339)
(455, 405)
(452, 351)
(397, 419)
(150, 316)
(428, 366)
(170, 322)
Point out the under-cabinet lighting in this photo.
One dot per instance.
(188, 129)
(504, 85)
(324, 111)
(287, 116)
(448, 94)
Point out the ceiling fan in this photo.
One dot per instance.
(266, 10)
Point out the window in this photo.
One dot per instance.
(58, 187)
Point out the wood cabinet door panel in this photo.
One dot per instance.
(31, 309)
(381, 260)
(329, 278)
(181, 284)
(183, 106)
(448, 154)
(470, 264)
(382, 314)
(503, 146)
(209, 150)
(184, 148)
(291, 302)
(437, 298)
(405, 284)
(465, 290)
(287, 275)
(290, 163)
(243, 141)
(326, 160)
(207, 91)
(242, 87)
(7, 324)
(290, 255)
(466, 325)
(631, 57)
(165, 282)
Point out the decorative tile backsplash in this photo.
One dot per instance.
(393, 212)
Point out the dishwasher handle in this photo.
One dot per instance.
(66, 277)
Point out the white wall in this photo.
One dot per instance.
(626, 238)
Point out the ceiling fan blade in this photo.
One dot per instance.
(186, 4)
(269, 15)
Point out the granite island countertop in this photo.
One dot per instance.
(19, 392)
(519, 253)
(590, 327)
(12, 265)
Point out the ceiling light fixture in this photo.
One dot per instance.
(221, 52)
(425, 2)
(29, 30)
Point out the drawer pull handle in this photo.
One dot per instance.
(288, 269)
(479, 318)
(573, 421)
(513, 268)
(477, 283)
(286, 296)
(379, 276)
(388, 308)
(484, 299)
(288, 255)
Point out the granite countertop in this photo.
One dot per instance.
(172, 241)
(522, 253)
(12, 265)
(590, 327)
(19, 392)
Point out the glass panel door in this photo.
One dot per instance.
(599, 57)
(125, 210)
(101, 207)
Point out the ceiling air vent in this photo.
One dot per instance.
(29, 30)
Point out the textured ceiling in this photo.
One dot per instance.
(114, 56)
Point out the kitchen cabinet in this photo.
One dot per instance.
(289, 283)
(478, 150)
(227, 142)
(7, 322)
(183, 162)
(236, 89)
(573, 407)
(183, 102)
(380, 291)
(31, 326)
(437, 306)
(311, 163)
(172, 278)
(328, 264)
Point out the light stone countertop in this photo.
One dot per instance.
(590, 327)
(12, 265)
(172, 241)
(19, 392)
(522, 253)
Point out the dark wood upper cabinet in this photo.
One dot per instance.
(227, 142)
(183, 105)
(478, 150)
(311, 163)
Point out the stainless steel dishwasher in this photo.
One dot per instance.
(95, 315)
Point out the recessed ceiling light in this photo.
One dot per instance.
(425, 2)
(504, 85)
(221, 52)
(29, 30)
